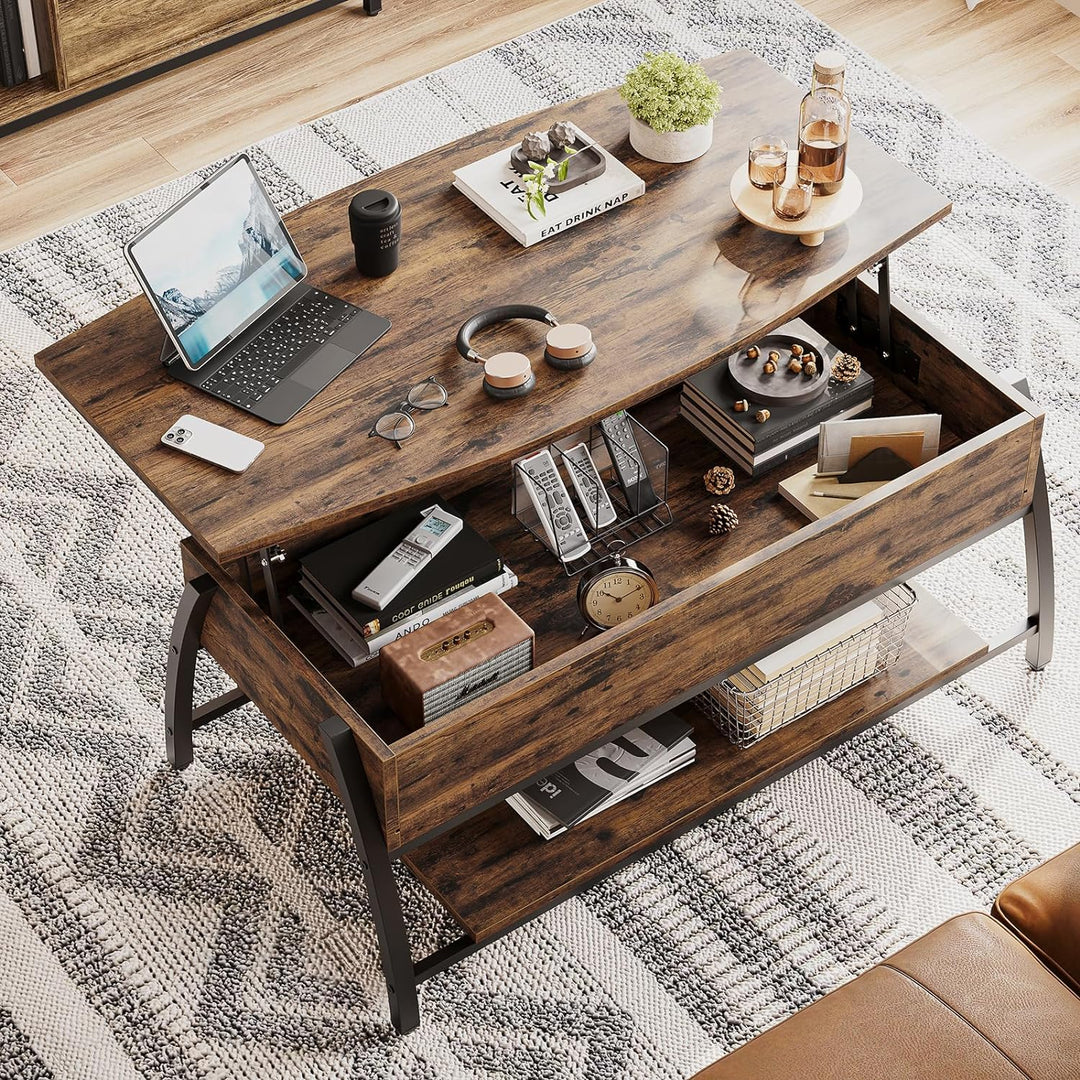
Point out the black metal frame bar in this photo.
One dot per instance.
(848, 311)
(180, 670)
(267, 557)
(371, 7)
(355, 794)
(181, 715)
(884, 312)
(1039, 551)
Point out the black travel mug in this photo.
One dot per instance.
(375, 224)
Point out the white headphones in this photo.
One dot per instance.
(568, 346)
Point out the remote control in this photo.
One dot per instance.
(565, 535)
(212, 443)
(589, 488)
(435, 531)
(630, 468)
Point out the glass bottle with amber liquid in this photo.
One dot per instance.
(824, 124)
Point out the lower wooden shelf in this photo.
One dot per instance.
(493, 872)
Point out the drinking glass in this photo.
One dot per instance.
(767, 154)
(791, 195)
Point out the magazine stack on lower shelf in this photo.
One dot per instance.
(614, 772)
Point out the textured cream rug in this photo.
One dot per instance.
(212, 924)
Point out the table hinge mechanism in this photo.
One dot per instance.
(272, 554)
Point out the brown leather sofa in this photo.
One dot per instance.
(979, 998)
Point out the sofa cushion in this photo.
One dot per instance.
(967, 1002)
(1043, 909)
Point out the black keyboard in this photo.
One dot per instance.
(281, 347)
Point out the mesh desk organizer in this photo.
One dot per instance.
(627, 528)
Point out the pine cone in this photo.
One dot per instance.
(845, 367)
(722, 519)
(719, 480)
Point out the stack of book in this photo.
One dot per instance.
(795, 679)
(708, 400)
(19, 56)
(619, 769)
(497, 189)
(466, 568)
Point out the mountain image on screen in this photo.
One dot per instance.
(258, 240)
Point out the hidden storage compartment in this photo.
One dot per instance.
(681, 556)
(773, 575)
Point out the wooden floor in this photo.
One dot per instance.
(1010, 70)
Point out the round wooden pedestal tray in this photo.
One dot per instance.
(826, 211)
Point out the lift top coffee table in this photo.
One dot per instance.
(667, 284)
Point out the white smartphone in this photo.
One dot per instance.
(212, 443)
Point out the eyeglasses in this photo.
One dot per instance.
(397, 426)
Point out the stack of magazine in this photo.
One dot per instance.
(708, 400)
(466, 568)
(619, 769)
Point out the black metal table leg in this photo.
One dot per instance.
(1039, 549)
(373, 7)
(180, 671)
(1039, 546)
(267, 558)
(379, 877)
(884, 311)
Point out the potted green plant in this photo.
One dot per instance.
(672, 103)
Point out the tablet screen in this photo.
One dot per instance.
(215, 261)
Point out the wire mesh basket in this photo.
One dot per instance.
(746, 711)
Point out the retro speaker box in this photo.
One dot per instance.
(454, 660)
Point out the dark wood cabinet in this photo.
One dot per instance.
(90, 47)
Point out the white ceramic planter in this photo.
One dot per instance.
(671, 146)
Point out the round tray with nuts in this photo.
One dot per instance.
(779, 370)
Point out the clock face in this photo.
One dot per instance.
(616, 595)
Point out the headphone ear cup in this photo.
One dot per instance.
(569, 347)
(573, 363)
(504, 393)
(508, 375)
